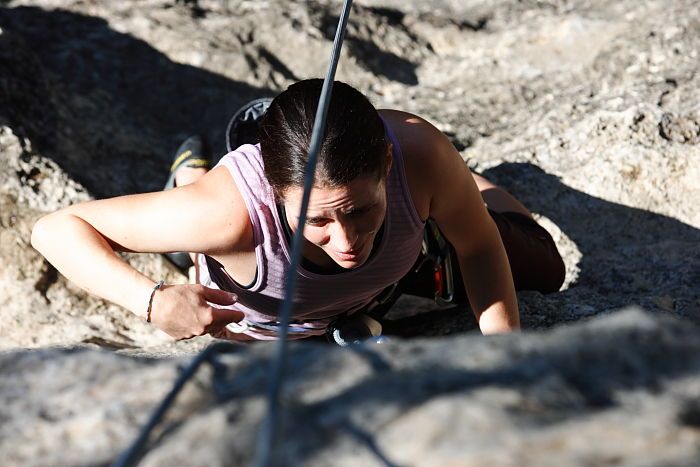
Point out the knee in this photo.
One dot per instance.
(538, 266)
(555, 273)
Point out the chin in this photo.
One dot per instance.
(351, 264)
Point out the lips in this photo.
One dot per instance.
(347, 256)
(351, 255)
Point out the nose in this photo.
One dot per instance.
(344, 237)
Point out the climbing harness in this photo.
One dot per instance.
(436, 250)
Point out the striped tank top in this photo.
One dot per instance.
(319, 298)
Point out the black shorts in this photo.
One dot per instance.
(534, 260)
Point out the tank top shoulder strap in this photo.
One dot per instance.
(399, 189)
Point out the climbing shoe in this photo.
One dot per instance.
(193, 152)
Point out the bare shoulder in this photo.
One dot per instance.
(427, 153)
(444, 182)
(208, 216)
(222, 202)
(419, 137)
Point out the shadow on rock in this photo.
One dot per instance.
(562, 377)
(438, 322)
(371, 56)
(106, 106)
(629, 255)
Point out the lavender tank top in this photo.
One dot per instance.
(319, 297)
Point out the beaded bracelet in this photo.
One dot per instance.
(150, 300)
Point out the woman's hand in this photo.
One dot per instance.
(185, 311)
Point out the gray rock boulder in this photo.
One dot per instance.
(620, 389)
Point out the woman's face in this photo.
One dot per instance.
(341, 221)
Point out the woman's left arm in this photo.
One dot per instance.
(459, 210)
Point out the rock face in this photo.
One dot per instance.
(617, 390)
(587, 110)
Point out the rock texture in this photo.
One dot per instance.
(587, 110)
(618, 390)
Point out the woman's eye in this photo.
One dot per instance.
(316, 222)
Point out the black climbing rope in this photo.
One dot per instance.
(268, 429)
(132, 455)
(267, 434)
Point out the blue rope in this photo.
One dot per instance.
(268, 429)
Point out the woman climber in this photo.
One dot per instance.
(381, 176)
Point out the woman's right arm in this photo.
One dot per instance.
(208, 216)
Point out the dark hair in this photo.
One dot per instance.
(353, 145)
